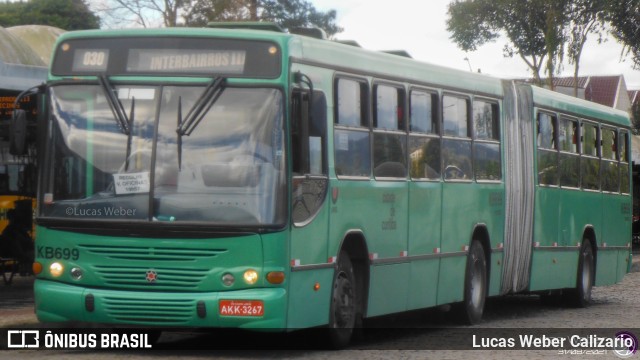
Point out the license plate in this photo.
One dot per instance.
(241, 308)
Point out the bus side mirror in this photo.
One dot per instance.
(18, 132)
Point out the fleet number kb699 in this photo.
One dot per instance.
(49, 252)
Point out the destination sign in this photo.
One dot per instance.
(166, 55)
(170, 60)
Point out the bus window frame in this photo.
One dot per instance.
(495, 104)
(624, 136)
(596, 157)
(554, 146)
(400, 131)
(365, 113)
(616, 161)
(436, 110)
(464, 139)
(436, 114)
(578, 147)
(401, 103)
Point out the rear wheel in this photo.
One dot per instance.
(343, 309)
(475, 285)
(581, 295)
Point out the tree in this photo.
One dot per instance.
(534, 28)
(286, 13)
(204, 11)
(64, 14)
(298, 13)
(143, 13)
(624, 17)
(585, 17)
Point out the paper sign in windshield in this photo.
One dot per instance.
(131, 183)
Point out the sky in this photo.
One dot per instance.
(419, 27)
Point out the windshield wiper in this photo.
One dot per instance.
(130, 133)
(116, 106)
(197, 112)
(125, 123)
(206, 100)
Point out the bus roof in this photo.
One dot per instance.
(389, 66)
(553, 100)
(352, 59)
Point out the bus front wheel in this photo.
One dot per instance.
(342, 312)
(475, 284)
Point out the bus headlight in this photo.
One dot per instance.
(56, 269)
(250, 276)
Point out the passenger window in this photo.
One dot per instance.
(610, 175)
(309, 183)
(455, 116)
(351, 136)
(456, 156)
(424, 144)
(589, 139)
(424, 154)
(486, 148)
(308, 123)
(590, 163)
(547, 146)
(389, 113)
(547, 130)
(424, 112)
(623, 148)
(389, 138)
(351, 97)
(568, 140)
(609, 143)
(486, 120)
(487, 161)
(456, 153)
(568, 135)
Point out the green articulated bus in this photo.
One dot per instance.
(250, 178)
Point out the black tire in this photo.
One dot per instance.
(343, 308)
(581, 295)
(475, 285)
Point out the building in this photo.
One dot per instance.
(606, 90)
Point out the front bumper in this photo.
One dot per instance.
(60, 302)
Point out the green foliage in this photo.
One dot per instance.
(64, 14)
(10, 14)
(534, 28)
(286, 13)
(473, 23)
(624, 17)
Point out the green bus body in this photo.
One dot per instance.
(407, 234)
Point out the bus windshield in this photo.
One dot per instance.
(229, 170)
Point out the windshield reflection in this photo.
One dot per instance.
(231, 171)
